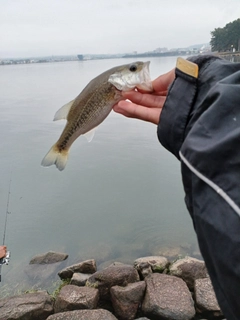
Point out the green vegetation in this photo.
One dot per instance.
(227, 38)
(62, 283)
(53, 289)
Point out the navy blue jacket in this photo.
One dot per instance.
(200, 125)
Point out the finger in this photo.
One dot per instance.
(147, 100)
(162, 83)
(132, 110)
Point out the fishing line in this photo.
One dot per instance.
(5, 260)
(7, 211)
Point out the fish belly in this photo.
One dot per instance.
(83, 120)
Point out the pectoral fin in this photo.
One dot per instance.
(90, 134)
(62, 113)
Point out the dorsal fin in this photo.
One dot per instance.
(62, 113)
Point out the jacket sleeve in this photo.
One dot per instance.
(200, 125)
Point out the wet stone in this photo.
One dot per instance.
(79, 279)
(49, 257)
(111, 276)
(99, 314)
(126, 300)
(28, 306)
(148, 265)
(189, 269)
(167, 298)
(88, 266)
(169, 252)
(72, 297)
(42, 273)
(206, 301)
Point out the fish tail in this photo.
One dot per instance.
(57, 157)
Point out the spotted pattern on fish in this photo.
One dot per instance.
(94, 108)
(93, 105)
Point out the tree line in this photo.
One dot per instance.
(226, 38)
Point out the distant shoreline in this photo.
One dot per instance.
(140, 55)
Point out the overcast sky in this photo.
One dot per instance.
(53, 27)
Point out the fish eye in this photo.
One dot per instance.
(133, 68)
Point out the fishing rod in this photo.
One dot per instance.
(5, 260)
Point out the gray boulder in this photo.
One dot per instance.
(41, 273)
(28, 306)
(171, 252)
(189, 269)
(115, 275)
(49, 257)
(205, 298)
(73, 297)
(126, 300)
(79, 279)
(88, 266)
(167, 298)
(144, 269)
(148, 265)
(99, 314)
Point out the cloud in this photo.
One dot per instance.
(43, 27)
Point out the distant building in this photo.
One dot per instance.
(205, 49)
(160, 50)
(195, 50)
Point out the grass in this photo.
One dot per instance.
(58, 286)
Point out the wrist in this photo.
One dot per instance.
(178, 105)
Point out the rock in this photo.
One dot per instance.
(171, 252)
(43, 272)
(108, 263)
(126, 300)
(147, 265)
(99, 314)
(73, 297)
(167, 297)
(114, 264)
(205, 298)
(115, 275)
(79, 279)
(189, 269)
(144, 269)
(100, 251)
(49, 257)
(88, 266)
(27, 306)
(111, 263)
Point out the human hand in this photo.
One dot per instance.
(3, 251)
(146, 106)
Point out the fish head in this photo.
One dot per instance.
(133, 75)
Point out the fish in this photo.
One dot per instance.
(93, 105)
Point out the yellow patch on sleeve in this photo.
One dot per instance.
(187, 67)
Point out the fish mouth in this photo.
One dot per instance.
(124, 80)
(146, 82)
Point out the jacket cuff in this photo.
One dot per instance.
(178, 105)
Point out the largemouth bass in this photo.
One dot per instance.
(93, 105)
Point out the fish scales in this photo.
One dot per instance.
(93, 108)
(93, 105)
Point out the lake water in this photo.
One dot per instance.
(120, 196)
